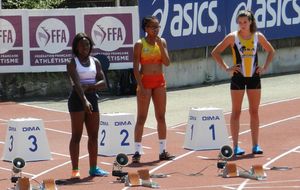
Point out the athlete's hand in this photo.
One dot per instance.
(260, 70)
(88, 108)
(159, 41)
(233, 69)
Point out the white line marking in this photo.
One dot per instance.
(262, 105)
(106, 163)
(1, 142)
(43, 108)
(63, 132)
(147, 147)
(297, 151)
(169, 162)
(6, 169)
(227, 187)
(59, 154)
(273, 123)
(180, 133)
(243, 184)
(203, 157)
(233, 185)
(57, 120)
(51, 169)
(58, 166)
(149, 134)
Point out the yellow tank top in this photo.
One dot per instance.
(150, 54)
(244, 53)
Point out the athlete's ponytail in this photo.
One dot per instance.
(250, 16)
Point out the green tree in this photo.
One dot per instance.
(32, 4)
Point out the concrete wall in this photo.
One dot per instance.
(188, 67)
(196, 66)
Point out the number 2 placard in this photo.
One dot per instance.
(116, 134)
(206, 129)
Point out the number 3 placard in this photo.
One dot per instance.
(116, 134)
(206, 129)
(26, 138)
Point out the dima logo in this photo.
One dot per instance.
(7, 36)
(108, 33)
(52, 35)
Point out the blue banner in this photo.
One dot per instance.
(199, 23)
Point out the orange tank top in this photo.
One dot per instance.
(150, 54)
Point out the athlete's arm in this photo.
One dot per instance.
(268, 48)
(162, 44)
(216, 53)
(136, 61)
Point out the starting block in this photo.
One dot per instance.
(116, 134)
(26, 138)
(206, 129)
(230, 170)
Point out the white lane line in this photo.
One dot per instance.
(244, 183)
(1, 142)
(169, 162)
(233, 185)
(58, 166)
(143, 136)
(229, 112)
(6, 169)
(273, 123)
(203, 157)
(65, 163)
(43, 108)
(59, 154)
(106, 163)
(180, 133)
(147, 147)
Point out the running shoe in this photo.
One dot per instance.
(166, 156)
(98, 172)
(75, 174)
(136, 157)
(257, 150)
(238, 151)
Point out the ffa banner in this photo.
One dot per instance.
(41, 40)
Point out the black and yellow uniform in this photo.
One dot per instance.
(244, 53)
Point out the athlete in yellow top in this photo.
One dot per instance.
(245, 74)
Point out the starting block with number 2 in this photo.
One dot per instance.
(26, 138)
(206, 129)
(116, 134)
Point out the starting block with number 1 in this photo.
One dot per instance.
(206, 129)
(26, 138)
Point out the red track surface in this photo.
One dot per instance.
(279, 137)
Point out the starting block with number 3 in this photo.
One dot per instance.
(26, 138)
(116, 134)
(206, 129)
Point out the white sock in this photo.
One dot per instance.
(162, 145)
(138, 147)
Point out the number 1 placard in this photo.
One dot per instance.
(26, 138)
(116, 134)
(206, 129)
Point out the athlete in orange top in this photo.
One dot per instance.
(245, 74)
(150, 54)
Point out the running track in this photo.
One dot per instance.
(279, 137)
